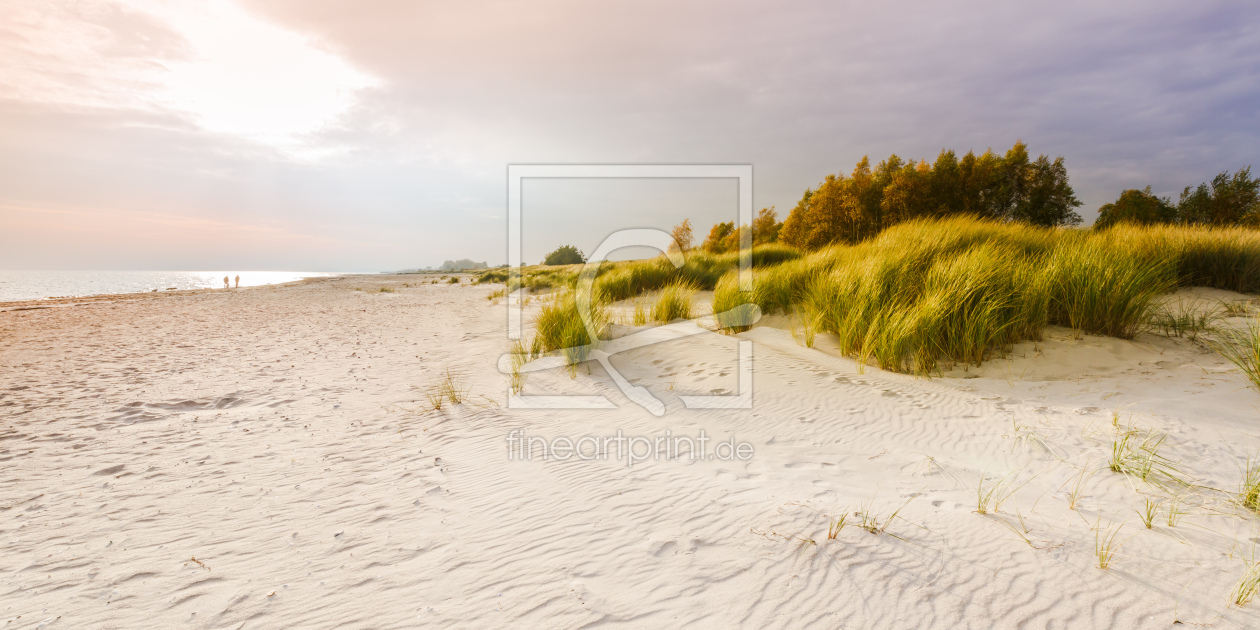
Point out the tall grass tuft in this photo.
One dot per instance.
(727, 296)
(559, 326)
(1098, 288)
(674, 302)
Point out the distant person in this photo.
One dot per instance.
(225, 283)
(238, 282)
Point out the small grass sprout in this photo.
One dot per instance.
(1078, 487)
(1149, 511)
(1249, 486)
(835, 525)
(1242, 348)
(1105, 544)
(1185, 318)
(1247, 586)
(1137, 453)
(449, 389)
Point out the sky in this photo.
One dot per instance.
(366, 135)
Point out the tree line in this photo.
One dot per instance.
(1228, 200)
(1010, 187)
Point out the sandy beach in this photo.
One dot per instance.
(266, 457)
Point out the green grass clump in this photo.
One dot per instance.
(620, 281)
(675, 301)
(727, 296)
(453, 280)
(640, 313)
(498, 275)
(559, 326)
(1098, 288)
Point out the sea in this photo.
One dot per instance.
(34, 285)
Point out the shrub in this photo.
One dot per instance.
(565, 255)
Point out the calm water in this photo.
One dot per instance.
(30, 285)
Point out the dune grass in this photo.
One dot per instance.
(1185, 318)
(519, 357)
(449, 389)
(559, 326)
(675, 301)
(1248, 585)
(1242, 348)
(1148, 512)
(1249, 486)
(927, 295)
(1105, 544)
(640, 317)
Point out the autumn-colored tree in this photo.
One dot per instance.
(1003, 187)
(793, 230)
(683, 238)
(716, 242)
(908, 194)
(765, 228)
(731, 242)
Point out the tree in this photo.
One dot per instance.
(908, 194)
(1044, 196)
(765, 228)
(716, 243)
(1228, 200)
(1136, 206)
(792, 231)
(946, 185)
(565, 255)
(731, 242)
(1011, 187)
(683, 238)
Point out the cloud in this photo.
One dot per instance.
(392, 121)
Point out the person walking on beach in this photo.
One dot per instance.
(225, 282)
(238, 281)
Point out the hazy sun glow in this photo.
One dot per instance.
(252, 78)
(227, 70)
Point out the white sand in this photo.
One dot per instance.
(274, 435)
